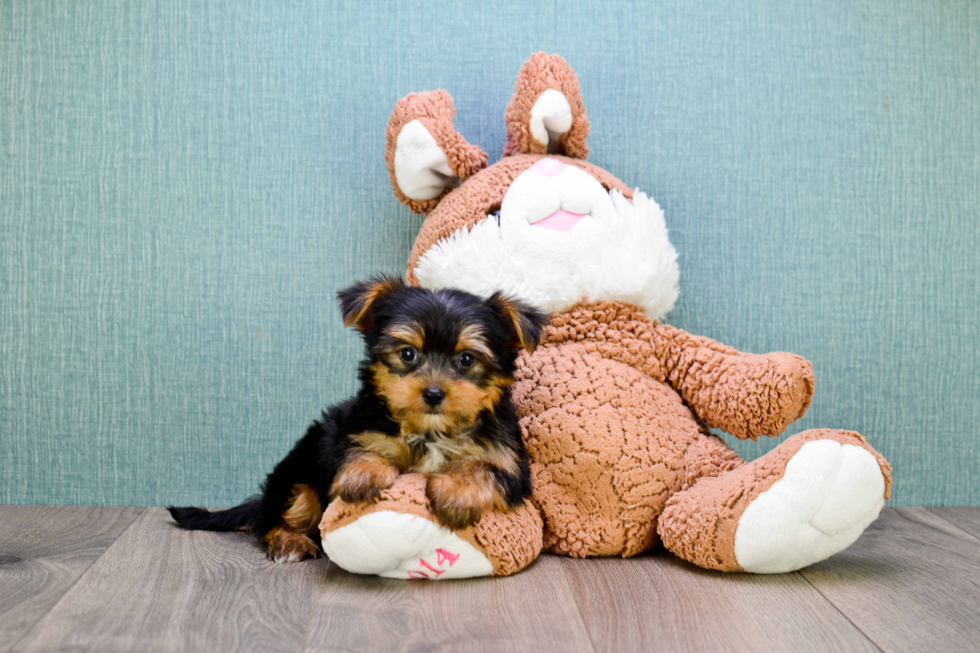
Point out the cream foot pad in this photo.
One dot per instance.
(828, 495)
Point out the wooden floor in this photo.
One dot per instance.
(124, 579)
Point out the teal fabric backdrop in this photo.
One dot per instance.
(184, 186)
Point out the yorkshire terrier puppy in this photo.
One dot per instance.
(434, 399)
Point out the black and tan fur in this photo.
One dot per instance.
(434, 400)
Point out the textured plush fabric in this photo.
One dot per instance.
(538, 74)
(435, 110)
(465, 206)
(184, 185)
(699, 524)
(613, 406)
(510, 543)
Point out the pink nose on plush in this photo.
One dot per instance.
(548, 167)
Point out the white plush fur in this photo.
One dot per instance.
(421, 167)
(551, 116)
(825, 499)
(619, 251)
(405, 546)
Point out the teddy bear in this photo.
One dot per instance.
(615, 406)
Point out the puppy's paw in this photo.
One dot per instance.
(287, 546)
(362, 479)
(459, 501)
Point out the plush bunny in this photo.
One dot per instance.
(615, 407)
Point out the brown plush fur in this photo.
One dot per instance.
(604, 380)
(538, 74)
(510, 540)
(698, 524)
(435, 110)
(482, 194)
(616, 410)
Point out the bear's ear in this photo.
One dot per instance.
(546, 114)
(425, 154)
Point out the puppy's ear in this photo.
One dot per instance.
(527, 323)
(357, 302)
(426, 156)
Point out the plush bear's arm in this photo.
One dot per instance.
(747, 395)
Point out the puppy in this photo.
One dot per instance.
(434, 399)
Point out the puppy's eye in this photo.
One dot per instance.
(409, 354)
(466, 360)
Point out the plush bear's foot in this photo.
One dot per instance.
(401, 545)
(398, 537)
(829, 493)
(801, 503)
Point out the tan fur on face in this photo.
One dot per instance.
(464, 399)
(408, 333)
(363, 476)
(403, 393)
(304, 511)
(460, 496)
(467, 399)
(471, 338)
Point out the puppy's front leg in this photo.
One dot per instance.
(461, 495)
(363, 476)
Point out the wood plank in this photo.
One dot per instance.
(910, 583)
(43, 551)
(532, 610)
(966, 518)
(159, 588)
(659, 602)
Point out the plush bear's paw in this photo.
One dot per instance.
(829, 493)
(400, 545)
(794, 377)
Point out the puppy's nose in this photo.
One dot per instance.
(433, 395)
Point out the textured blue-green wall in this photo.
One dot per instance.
(184, 185)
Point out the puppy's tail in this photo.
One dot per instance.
(239, 518)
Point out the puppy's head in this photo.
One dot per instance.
(438, 358)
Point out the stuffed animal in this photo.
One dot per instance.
(615, 407)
